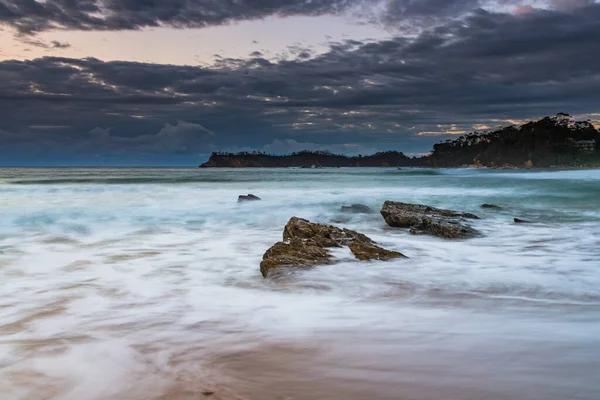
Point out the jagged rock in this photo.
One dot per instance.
(368, 251)
(521, 221)
(305, 245)
(294, 253)
(357, 209)
(248, 197)
(449, 229)
(490, 206)
(323, 235)
(423, 219)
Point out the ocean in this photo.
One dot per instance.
(144, 283)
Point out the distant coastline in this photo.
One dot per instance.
(557, 142)
(306, 159)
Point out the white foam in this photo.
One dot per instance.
(107, 283)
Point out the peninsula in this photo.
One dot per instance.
(557, 141)
(305, 159)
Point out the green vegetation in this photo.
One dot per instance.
(550, 141)
(305, 159)
(558, 141)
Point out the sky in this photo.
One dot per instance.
(167, 82)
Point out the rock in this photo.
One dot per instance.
(295, 253)
(449, 229)
(207, 393)
(490, 206)
(323, 235)
(368, 251)
(305, 245)
(248, 197)
(521, 221)
(357, 209)
(423, 219)
(405, 215)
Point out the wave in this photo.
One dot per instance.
(428, 172)
(124, 181)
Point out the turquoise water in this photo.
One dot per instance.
(144, 284)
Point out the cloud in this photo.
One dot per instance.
(54, 44)
(287, 146)
(453, 129)
(181, 138)
(570, 4)
(59, 45)
(31, 16)
(484, 68)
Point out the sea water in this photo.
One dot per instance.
(145, 284)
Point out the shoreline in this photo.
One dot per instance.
(551, 168)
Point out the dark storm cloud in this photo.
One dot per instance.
(426, 12)
(33, 16)
(481, 69)
(30, 16)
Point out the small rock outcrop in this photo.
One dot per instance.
(305, 245)
(369, 251)
(357, 209)
(491, 206)
(323, 235)
(422, 219)
(248, 197)
(521, 221)
(294, 253)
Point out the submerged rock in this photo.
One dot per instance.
(357, 209)
(369, 251)
(248, 197)
(522, 221)
(490, 206)
(305, 245)
(422, 219)
(445, 228)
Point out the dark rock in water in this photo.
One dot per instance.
(449, 229)
(294, 253)
(490, 206)
(249, 197)
(423, 219)
(521, 221)
(357, 209)
(305, 245)
(405, 215)
(341, 220)
(323, 235)
(369, 251)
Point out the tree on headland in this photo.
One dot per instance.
(545, 142)
(549, 141)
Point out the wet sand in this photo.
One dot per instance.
(355, 368)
